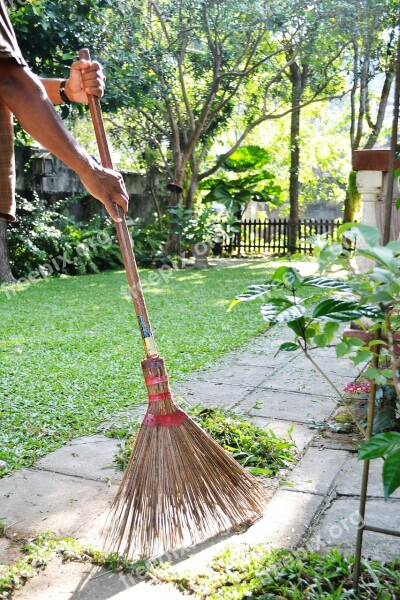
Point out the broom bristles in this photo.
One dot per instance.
(179, 489)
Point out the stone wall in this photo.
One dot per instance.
(52, 180)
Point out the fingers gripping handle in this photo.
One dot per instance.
(124, 237)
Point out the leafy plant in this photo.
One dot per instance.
(197, 225)
(243, 179)
(261, 572)
(373, 295)
(52, 241)
(257, 449)
(39, 550)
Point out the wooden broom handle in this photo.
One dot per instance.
(124, 237)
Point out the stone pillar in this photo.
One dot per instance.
(372, 174)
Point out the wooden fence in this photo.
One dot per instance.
(271, 236)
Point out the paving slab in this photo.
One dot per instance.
(91, 459)
(212, 394)
(287, 406)
(303, 379)
(72, 581)
(337, 527)
(317, 470)
(349, 481)
(301, 434)
(33, 501)
(247, 375)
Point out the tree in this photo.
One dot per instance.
(372, 54)
(315, 75)
(203, 65)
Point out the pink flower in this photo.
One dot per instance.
(356, 388)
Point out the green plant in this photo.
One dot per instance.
(257, 449)
(373, 294)
(198, 225)
(49, 241)
(243, 179)
(261, 572)
(149, 241)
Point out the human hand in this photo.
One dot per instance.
(85, 78)
(107, 186)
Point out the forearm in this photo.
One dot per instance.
(26, 97)
(52, 87)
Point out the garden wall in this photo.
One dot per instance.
(52, 180)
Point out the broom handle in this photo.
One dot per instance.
(124, 237)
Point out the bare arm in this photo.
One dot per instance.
(26, 97)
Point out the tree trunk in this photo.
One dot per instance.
(5, 269)
(294, 186)
(194, 184)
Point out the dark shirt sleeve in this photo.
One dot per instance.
(8, 42)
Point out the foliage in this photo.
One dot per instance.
(70, 351)
(51, 33)
(200, 224)
(195, 72)
(386, 446)
(261, 572)
(149, 241)
(242, 180)
(47, 240)
(354, 199)
(373, 294)
(257, 449)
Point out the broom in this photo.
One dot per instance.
(180, 487)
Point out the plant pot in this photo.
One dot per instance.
(200, 253)
(368, 336)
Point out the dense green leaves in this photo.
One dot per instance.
(387, 446)
(280, 310)
(344, 310)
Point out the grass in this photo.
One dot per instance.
(70, 350)
(260, 572)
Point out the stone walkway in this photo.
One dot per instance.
(69, 491)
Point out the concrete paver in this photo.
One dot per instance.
(91, 459)
(348, 483)
(212, 394)
(287, 406)
(317, 470)
(337, 527)
(32, 501)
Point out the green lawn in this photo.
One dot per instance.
(70, 350)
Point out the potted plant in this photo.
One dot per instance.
(370, 299)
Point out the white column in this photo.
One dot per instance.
(370, 186)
